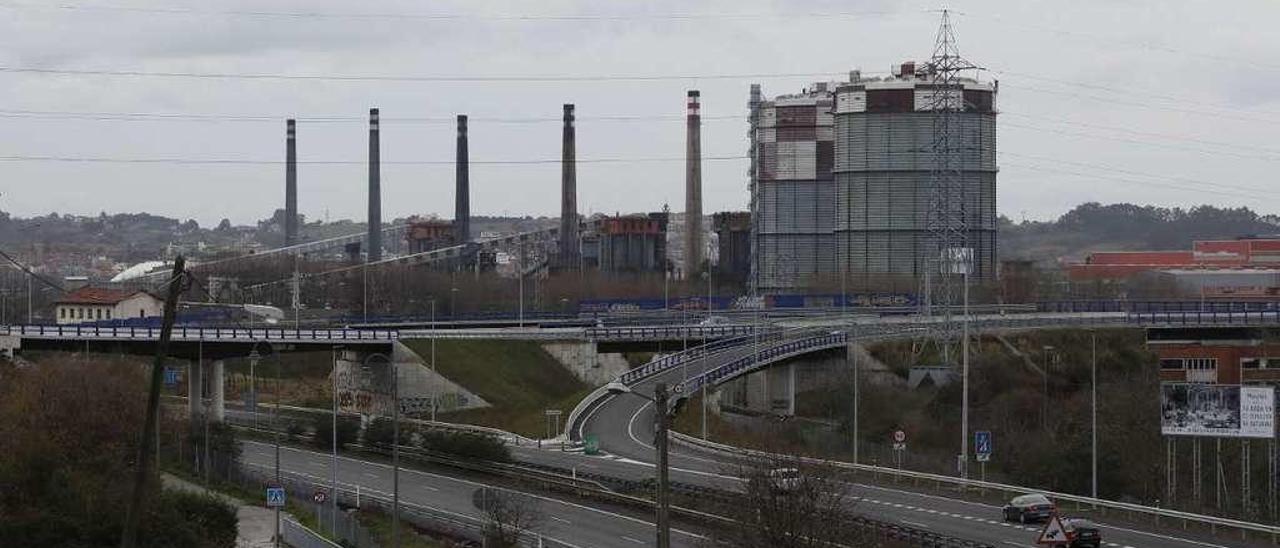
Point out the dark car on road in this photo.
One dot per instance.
(1029, 508)
(1082, 533)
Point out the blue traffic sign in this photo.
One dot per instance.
(170, 376)
(982, 444)
(275, 497)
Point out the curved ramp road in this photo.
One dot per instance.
(566, 524)
(624, 426)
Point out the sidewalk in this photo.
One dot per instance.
(256, 524)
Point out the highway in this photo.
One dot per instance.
(624, 426)
(566, 524)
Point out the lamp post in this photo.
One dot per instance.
(395, 443)
(662, 425)
(453, 303)
(254, 357)
(1044, 374)
(434, 386)
(1093, 413)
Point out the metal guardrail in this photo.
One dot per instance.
(1205, 317)
(761, 359)
(538, 334)
(978, 484)
(182, 333)
(668, 332)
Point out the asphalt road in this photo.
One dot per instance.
(566, 524)
(624, 427)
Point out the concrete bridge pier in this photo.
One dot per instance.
(780, 389)
(195, 390)
(216, 392)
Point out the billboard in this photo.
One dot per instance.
(1219, 410)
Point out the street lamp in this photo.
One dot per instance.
(434, 380)
(662, 424)
(395, 443)
(254, 357)
(1044, 374)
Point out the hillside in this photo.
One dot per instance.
(1097, 227)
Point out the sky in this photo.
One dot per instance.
(1162, 103)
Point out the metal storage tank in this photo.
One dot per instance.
(884, 130)
(793, 195)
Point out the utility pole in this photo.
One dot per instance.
(662, 420)
(435, 389)
(1093, 413)
(134, 512)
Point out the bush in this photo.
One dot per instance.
(380, 431)
(189, 519)
(463, 444)
(348, 431)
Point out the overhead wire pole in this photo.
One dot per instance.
(946, 223)
(133, 515)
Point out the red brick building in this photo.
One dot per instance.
(1238, 355)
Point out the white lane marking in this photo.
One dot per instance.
(915, 524)
(631, 432)
(320, 464)
(370, 475)
(1159, 536)
(635, 540)
(561, 520)
(1018, 544)
(477, 484)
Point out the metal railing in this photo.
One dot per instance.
(183, 333)
(668, 332)
(697, 443)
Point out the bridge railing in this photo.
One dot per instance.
(978, 484)
(668, 332)
(197, 333)
(1205, 317)
(766, 355)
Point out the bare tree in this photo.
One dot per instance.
(508, 515)
(790, 502)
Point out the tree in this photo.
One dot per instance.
(380, 431)
(348, 431)
(790, 502)
(508, 515)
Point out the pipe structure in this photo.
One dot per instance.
(568, 193)
(374, 240)
(693, 186)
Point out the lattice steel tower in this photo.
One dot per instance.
(947, 222)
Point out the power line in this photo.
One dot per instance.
(1116, 100)
(1172, 146)
(1034, 167)
(530, 17)
(1114, 169)
(254, 162)
(275, 119)
(1145, 133)
(413, 78)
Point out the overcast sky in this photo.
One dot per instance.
(1167, 103)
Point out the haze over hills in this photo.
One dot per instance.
(1096, 227)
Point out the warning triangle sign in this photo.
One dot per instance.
(1053, 533)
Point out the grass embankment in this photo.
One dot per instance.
(518, 378)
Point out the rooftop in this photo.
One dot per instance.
(97, 295)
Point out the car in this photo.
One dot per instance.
(1029, 508)
(784, 480)
(714, 320)
(1082, 533)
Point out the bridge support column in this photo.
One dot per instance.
(195, 391)
(780, 389)
(216, 393)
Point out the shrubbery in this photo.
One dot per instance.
(348, 431)
(462, 444)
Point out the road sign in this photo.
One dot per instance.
(552, 412)
(320, 496)
(1054, 533)
(898, 446)
(899, 436)
(170, 377)
(982, 445)
(591, 444)
(275, 497)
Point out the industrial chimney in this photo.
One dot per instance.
(568, 195)
(693, 187)
(374, 240)
(290, 184)
(462, 198)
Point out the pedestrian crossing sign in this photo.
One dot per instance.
(275, 497)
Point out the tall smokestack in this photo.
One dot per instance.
(693, 187)
(462, 197)
(568, 195)
(374, 241)
(290, 184)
